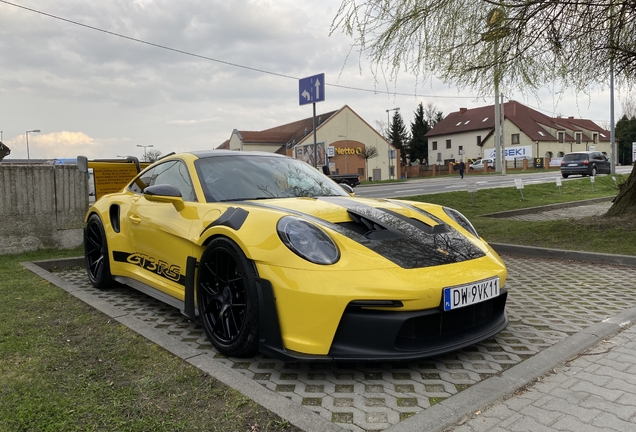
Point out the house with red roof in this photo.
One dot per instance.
(342, 138)
(527, 134)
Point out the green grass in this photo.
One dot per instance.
(598, 234)
(67, 367)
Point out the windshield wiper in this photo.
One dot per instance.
(250, 199)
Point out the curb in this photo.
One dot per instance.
(547, 207)
(448, 413)
(298, 415)
(453, 410)
(562, 254)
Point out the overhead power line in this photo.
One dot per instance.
(176, 50)
(263, 71)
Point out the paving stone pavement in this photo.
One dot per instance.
(574, 212)
(595, 391)
(549, 301)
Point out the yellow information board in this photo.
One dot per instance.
(110, 177)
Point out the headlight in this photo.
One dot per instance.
(307, 240)
(461, 220)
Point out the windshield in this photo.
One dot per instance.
(240, 177)
(575, 157)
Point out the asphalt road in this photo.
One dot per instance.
(432, 185)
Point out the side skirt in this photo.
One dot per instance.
(187, 307)
(152, 292)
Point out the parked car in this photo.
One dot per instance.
(479, 164)
(585, 163)
(270, 255)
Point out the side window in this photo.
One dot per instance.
(142, 182)
(174, 173)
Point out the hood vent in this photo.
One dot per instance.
(408, 242)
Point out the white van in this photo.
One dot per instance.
(479, 164)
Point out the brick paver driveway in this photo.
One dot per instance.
(548, 301)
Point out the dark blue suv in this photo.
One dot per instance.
(585, 163)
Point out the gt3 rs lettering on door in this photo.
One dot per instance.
(169, 271)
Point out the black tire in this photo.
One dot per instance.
(593, 173)
(227, 298)
(96, 253)
(565, 175)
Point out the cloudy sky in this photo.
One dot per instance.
(225, 65)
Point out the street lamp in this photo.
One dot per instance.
(27, 140)
(145, 154)
(345, 152)
(389, 129)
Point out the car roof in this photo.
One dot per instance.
(220, 153)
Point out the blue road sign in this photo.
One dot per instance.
(311, 89)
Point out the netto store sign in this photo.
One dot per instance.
(348, 151)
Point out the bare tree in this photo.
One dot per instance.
(518, 45)
(629, 107)
(152, 155)
(432, 115)
(522, 44)
(368, 152)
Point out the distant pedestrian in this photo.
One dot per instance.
(462, 167)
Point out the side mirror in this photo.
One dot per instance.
(165, 193)
(348, 189)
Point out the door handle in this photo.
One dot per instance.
(134, 219)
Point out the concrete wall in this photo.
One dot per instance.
(41, 206)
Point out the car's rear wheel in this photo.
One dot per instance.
(593, 173)
(565, 175)
(96, 253)
(227, 298)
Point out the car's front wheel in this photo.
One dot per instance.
(96, 253)
(227, 298)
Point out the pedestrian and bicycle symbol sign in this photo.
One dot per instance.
(311, 89)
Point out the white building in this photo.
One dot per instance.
(528, 134)
(343, 130)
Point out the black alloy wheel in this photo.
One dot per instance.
(227, 298)
(96, 253)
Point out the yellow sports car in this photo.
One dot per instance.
(273, 256)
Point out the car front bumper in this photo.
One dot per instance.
(366, 334)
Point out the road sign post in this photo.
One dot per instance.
(310, 91)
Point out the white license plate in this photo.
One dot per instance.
(466, 295)
(572, 164)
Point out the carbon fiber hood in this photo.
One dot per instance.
(395, 232)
